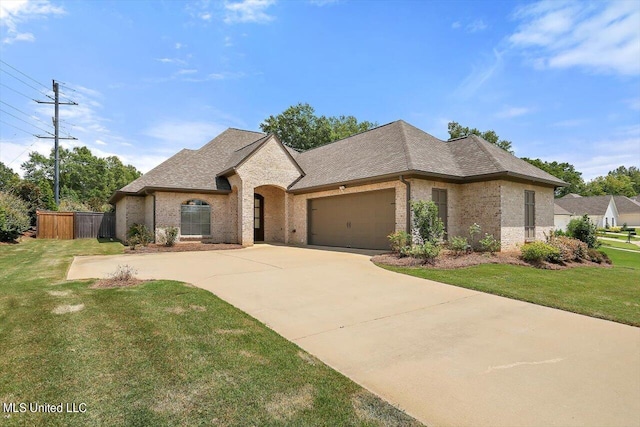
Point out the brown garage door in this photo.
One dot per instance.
(362, 220)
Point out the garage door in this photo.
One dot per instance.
(362, 220)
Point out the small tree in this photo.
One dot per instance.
(426, 222)
(14, 217)
(584, 230)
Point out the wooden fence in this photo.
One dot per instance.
(75, 225)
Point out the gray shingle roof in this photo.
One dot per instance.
(594, 205)
(559, 210)
(398, 147)
(394, 148)
(626, 205)
(196, 169)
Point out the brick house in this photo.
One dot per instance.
(246, 186)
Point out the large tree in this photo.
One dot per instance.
(615, 185)
(456, 130)
(299, 127)
(8, 178)
(632, 172)
(84, 177)
(564, 171)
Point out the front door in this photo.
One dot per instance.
(258, 218)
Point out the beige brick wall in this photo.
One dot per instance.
(129, 210)
(148, 212)
(421, 189)
(168, 212)
(513, 212)
(270, 165)
(298, 207)
(274, 213)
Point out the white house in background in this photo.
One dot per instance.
(561, 217)
(628, 210)
(604, 211)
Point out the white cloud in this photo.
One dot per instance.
(323, 2)
(513, 112)
(476, 25)
(225, 75)
(570, 123)
(187, 71)
(100, 142)
(205, 16)
(456, 25)
(178, 45)
(247, 11)
(634, 103)
(183, 134)
(15, 12)
(479, 76)
(171, 61)
(601, 37)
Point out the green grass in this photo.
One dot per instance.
(621, 245)
(161, 353)
(607, 293)
(619, 236)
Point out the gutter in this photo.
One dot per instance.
(407, 203)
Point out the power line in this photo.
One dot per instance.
(25, 83)
(24, 151)
(26, 114)
(29, 77)
(16, 127)
(18, 92)
(24, 121)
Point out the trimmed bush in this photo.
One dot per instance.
(171, 236)
(489, 244)
(398, 241)
(598, 256)
(426, 222)
(426, 252)
(540, 251)
(139, 234)
(570, 249)
(459, 245)
(615, 229)
(14, 217)
(584, 230)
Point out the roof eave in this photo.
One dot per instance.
(147, 190)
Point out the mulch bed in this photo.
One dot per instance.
(182, 247)
(448, 260)
(115, 283)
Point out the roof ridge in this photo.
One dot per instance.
(245, 130)
(351, 136)
(405, 145)
(478, 140)
(251, 143)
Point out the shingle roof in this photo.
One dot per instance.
(571, 196)
(398, 147)
(594, 205)
(559, 210)
(626, 205)
(196, 169)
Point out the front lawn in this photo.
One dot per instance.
(608, 293)
(621, 245)
(160, 353)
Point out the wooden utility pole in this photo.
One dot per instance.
(56, 124)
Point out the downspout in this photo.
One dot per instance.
(154, 217)
(407, 203)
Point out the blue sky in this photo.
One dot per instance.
(559, 79)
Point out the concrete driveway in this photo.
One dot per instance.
(447, 355)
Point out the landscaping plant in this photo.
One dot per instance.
(428, 226)
(14, 217)
(489, 244)
(139, 234)
(540, 251)
(398, 241)
(583, 229)
(459, 245)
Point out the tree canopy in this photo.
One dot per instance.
(84, 177)
(299, 127)
(8, 178)
(565, 171)
(456, 130)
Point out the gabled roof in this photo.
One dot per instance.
(594, 205)
(194, 169)
(559, 210)
(241, 155)
(626, 205)
(399, 148)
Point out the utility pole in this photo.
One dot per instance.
(56, 124)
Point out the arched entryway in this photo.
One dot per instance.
(269, 214)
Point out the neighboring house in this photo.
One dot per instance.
(600, 209)
(628, 211)
(561, 217)
(246, 186)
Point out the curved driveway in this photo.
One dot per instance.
(447, 355)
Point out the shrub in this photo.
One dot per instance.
(539, 251)
(459, 244)
(171, 236)
(474, 230)
(584, 230)
(615, 229)
(426, 222)
(598, 256)
(123, 273)
(14, 217)
(426, 252)
(558, 233)
(399, 240)
(489, 243)
(570, 249)
(139, 234)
